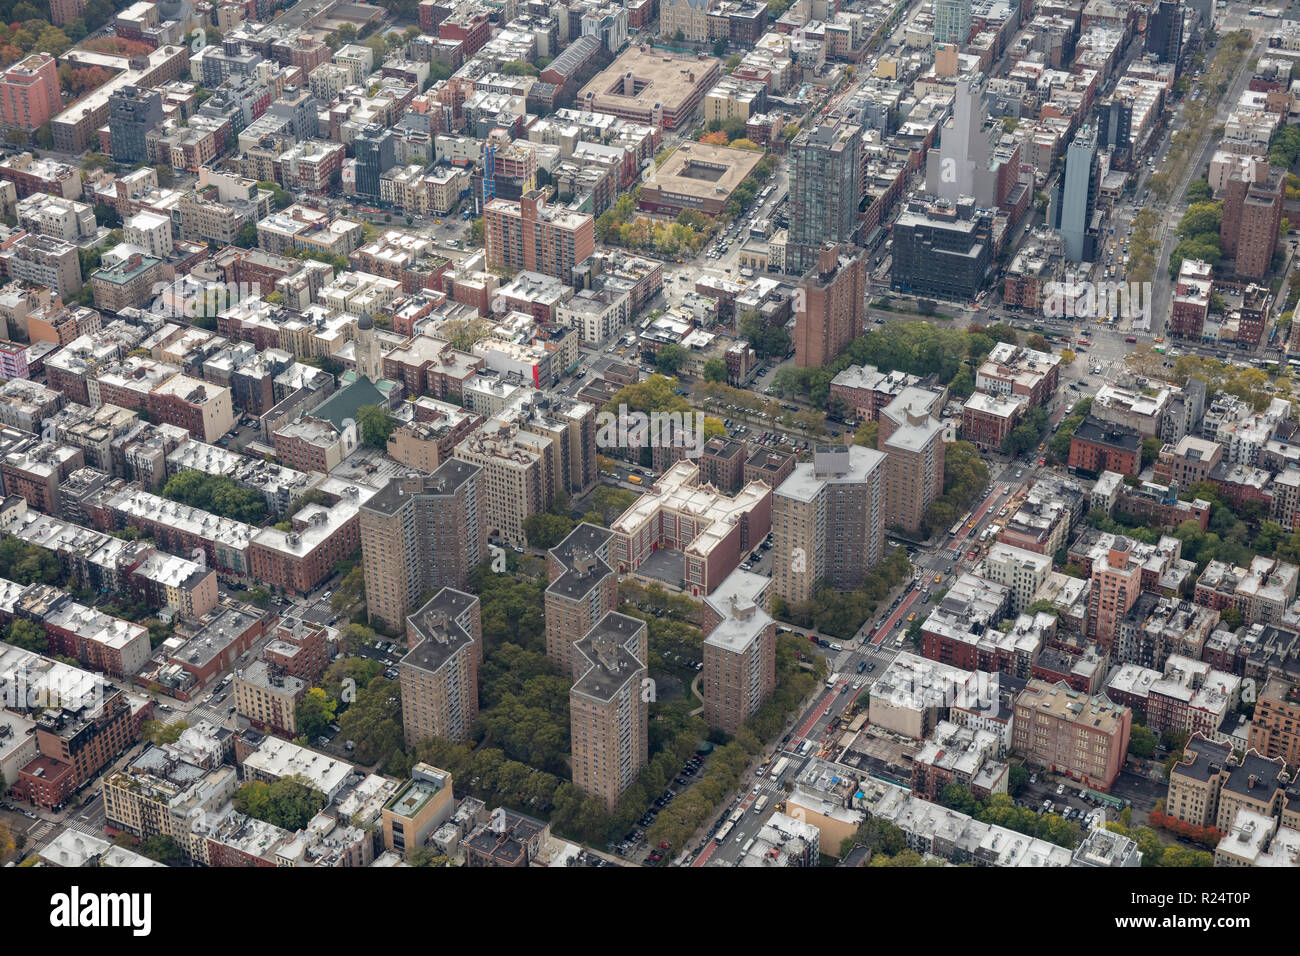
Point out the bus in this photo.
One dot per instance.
(723, 832)
(779, 768)
(952, 532)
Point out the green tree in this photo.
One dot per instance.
(1150, 450)
(314, 713)
(545, 530)
(288, 803)
(1141, 741)
(217, 494)
(377, 424)
(158, 733)
(163, 849)
(715, 369)
(373, 722)
(28, 635)
(611, 502)
(670, 359)
(1199, 191)
(246, 238)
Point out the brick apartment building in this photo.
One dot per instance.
(609, 708)
(1100, 446)
(1080, 736)
(582, 588)
(439, 674)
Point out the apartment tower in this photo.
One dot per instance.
(831, 304)
(439, 675)
(828, 521)
(825, 187)
(609, 707)
(421, 532)
(529, 235)
(739, 652)
(582, 589)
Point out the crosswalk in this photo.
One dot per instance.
(217, 717)
(39, 832)
(81, 826)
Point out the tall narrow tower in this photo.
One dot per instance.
(369, 363)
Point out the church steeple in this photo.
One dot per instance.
(369, 364)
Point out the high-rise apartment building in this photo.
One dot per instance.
(962, 163)
(421, 532)
(376, 153)
(582, 588)
(528, 235)
(609, 707)
(1252, 219)
(828, 521)
(832, 304)
(912, 440)
(133, 112)
(1115, 585)
(44, 260)
(739, 671)
(825, 186)
(1076, 198)
(439, 674)
(517, 481)
(1165, 31)
(65, 11)
(952, 21)
(942, 249)
(29, 91)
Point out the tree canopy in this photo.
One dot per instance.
(218, 494)
(288, 803)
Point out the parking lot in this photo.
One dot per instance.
(1048, 793)
(632, 847)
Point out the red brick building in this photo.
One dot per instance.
(301, 559)
(300, 649)
(1100, 446)
(75, 745)
(986, 420)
